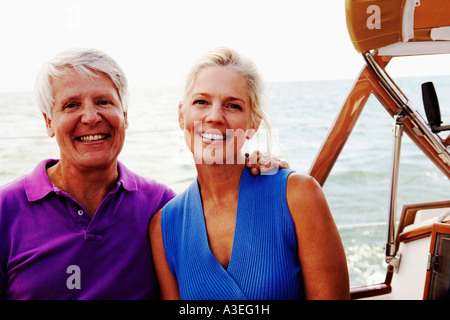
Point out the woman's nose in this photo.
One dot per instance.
(215, 113)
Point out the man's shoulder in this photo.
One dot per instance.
(13, 187)
(150, 184)
(133, 181)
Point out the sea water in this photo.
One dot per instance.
(357, 189)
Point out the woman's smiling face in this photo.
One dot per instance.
(216, 118)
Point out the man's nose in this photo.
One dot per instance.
(90, 114)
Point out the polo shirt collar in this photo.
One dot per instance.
(126, 177)
(37, 185)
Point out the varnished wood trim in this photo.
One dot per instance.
(437, 228)
(366, 84)
(416, 234)
(409, 212)
(375, 289)
(419, 233)
(370, 291)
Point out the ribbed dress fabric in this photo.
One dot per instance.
(264, 263)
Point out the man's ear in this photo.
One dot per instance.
(180, 115)
(48, 125)
(125, 117)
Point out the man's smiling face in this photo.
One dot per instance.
(87, 119)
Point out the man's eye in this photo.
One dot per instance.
(104, 102)
(70, 105)
(199, 102)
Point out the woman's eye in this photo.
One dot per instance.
(235, 106)
(199, 102)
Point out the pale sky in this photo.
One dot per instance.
(155, 42)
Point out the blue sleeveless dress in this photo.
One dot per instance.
(264, 263)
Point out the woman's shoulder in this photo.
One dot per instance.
(180, 198)
(302, 181)
(187, 199)
(306, 199)
(303, 191)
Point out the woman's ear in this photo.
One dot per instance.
(180, 115)
(48, 125)
(254, 127)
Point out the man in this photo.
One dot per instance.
(76, 228)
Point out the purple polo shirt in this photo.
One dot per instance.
(50, 248)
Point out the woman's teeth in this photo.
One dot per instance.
(93, 138)
(211, 136)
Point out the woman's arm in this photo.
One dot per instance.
(320, 249)
(168, 284)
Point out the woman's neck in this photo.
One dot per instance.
(219, 182)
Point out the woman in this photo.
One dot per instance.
(232, 235)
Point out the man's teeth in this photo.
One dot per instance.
(212, 136)
(93, 138)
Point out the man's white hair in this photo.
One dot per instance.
(85, 61)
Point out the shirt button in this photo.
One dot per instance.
(80, 212)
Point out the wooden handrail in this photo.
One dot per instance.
(370, 291)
